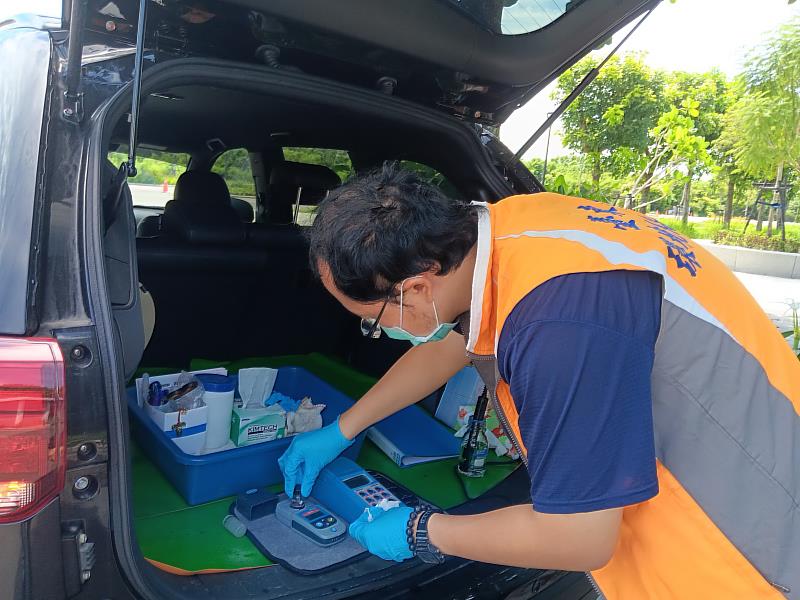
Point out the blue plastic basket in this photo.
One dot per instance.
(210, 477)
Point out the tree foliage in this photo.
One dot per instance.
(764, 124)
(656, 140)
(608, 123)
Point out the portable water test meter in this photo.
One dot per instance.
(347, 489)
(313, 520)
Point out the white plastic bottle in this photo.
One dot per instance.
(218, 396)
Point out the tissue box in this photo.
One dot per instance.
(187, 428)
(256, 425)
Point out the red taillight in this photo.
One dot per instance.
(33, 425)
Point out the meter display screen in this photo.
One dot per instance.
(356, 481)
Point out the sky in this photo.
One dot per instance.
(687, 35)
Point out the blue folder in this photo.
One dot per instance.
(411, 436)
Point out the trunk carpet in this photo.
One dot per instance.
(187, 540)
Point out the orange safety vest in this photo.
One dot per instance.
(725, 392)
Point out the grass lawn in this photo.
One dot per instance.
(708, 229)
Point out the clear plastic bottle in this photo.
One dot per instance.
(474, 449)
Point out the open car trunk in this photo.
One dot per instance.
(413, 81)
(226, 291)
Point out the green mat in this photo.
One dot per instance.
(190, 539)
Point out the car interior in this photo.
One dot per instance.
(246, 267)
(223, 278)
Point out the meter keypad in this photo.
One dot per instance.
(373, 493)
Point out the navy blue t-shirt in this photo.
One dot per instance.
(577, 353)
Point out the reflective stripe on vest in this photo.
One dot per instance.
(726, 399)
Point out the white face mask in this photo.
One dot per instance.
(398, 333)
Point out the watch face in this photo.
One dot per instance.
(427, 556)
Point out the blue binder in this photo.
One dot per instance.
(411, 436)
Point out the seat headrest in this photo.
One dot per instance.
(202, 187)
(313, 182)
(244, 209)
(201, 211)
(149, 226)
(304, 175)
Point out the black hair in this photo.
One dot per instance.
(379, 229)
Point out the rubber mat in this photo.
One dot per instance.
(294, 551)
(188, 540)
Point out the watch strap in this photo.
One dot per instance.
(423, 548)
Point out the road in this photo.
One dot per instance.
(155, 196)
(150, 195)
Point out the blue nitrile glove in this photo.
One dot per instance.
(386, 535)
(308, 454)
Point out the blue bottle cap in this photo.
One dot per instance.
(213, 382)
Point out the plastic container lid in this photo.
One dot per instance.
(213, 382)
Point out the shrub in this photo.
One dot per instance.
(688, 230)
(756, 241)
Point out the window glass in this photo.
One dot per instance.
(154, 170)
(234, 167)
(432, 176)
(514, 18)
(336, 160)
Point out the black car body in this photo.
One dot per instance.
(423, 80)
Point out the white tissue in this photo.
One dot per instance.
(385, 504)
(307, 417)
(255, 385)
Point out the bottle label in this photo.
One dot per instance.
(480, 457)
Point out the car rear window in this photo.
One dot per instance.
(514, 18)
(432, 176)
(336, 160)
(234, 167)
(156, 174)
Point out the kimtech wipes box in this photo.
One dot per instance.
(256, 425)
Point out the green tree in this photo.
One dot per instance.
(609, 122)
(336, 160)
(565, 174)
(680, 149)
(722, 149)
(710, 92)
(678, 152)
(765, 121)
(234, 167)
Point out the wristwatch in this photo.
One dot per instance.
(423, 548)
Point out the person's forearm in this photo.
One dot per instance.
(420, 371)
(519, 536)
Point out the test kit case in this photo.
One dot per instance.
(213, 476)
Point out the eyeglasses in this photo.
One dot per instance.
(370, 327)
